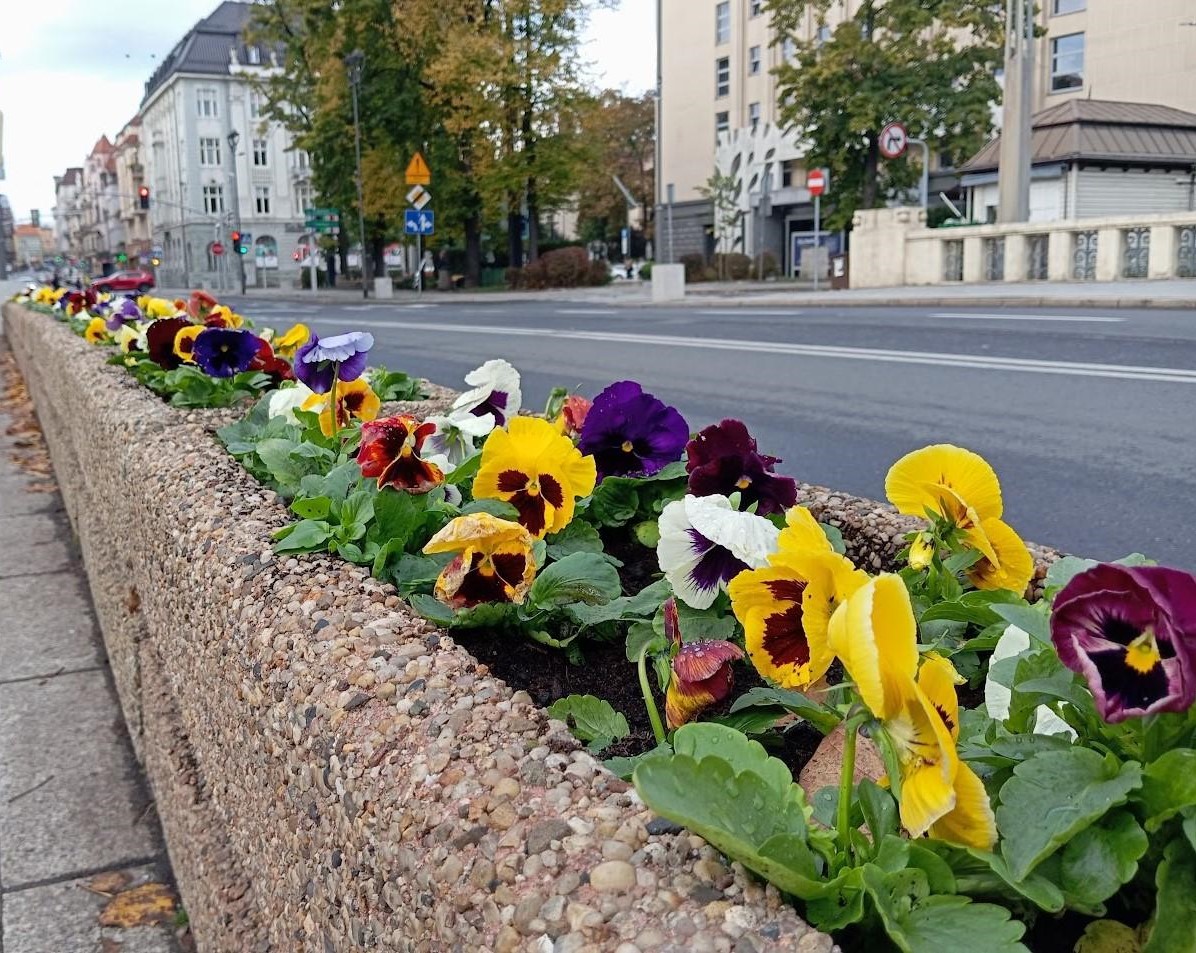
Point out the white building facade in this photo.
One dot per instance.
(213, 159)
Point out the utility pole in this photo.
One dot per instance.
(233, 138)
(1016, 124)
(354, 62)
(658, 172)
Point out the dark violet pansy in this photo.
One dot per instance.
(320, 362)
(122, 313)
(631, 433)
(1130, 631)
(723, 459)
(223, 352)
(159, 340)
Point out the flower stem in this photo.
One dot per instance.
(649, 701)
(846, 780)
(336, 410)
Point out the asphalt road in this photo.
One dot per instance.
(1088, 417)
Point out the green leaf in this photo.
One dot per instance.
(624, 767)
(614, 502)
(581, 577)
(1099, 859)
(488, 615)
(1053, 796)
(431, 609)
(1174, 929)
(358, 508)
(591, 719)
(1168, 786)
(413, 573)
(643, 605)
(1066, 569)
(972, 607)
(578, 537)
(398, 517)
(643, 638)
(880, 810)
(312, 508)
(698, 625)
(1108, 936)
(499, 508)
(334, 484)
(467, 471)
(647, 534)
(834, 536)
(308, 536)
(1032, 620)
(755, 721)
(918, 922)
(701, 740)
(821, 717)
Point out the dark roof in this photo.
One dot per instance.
(1096, 130)
(206, 47)
(72, 176)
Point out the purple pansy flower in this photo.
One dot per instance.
(723, 459)
(631, 433)
(705, 543)
(494, 389)
(122, 313)
(318, 363)
(225, 352)
(1131, 632)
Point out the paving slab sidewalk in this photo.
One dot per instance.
(78, 830)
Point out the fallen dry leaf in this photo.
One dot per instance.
(142, 906)
(112, 882)
(109, 945)
(823, 769)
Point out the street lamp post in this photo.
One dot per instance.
(354, 62)
(233, 138)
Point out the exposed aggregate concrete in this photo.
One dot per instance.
(334, 773)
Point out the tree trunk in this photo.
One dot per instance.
(473, 249)
(871, 184)
(342, 251)
(378, 255)
(533, 220)
(514, 231)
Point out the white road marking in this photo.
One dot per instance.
(758, 312)
(589, 312)
(1129, 372)
(1075, 318)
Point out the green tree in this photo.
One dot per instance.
(927, 63)
(619, 138)
(723, 192)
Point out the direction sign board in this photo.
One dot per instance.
(420, 223)
(217, 248)
(419, 197)
(418, 172)
(894, 140)
(816, 181)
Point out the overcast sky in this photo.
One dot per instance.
(72, 70)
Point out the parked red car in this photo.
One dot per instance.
(140, 281)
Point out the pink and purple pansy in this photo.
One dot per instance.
(1131, 632)
(632, 433)
(723, 459)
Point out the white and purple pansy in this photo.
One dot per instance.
(494, 390)
(455, 436)
(705, 543)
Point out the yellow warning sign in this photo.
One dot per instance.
(418, 172)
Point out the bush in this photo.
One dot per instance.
(733, 266)
(696, 268)
(599, 274)
(568, 267)
(646, 271)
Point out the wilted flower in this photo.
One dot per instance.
(723, 459)
(705, 543)
(495, 561)
(454, 436)
(392, 449)
(1131, 632)
(875, 636)
(536, 470)
(199, 305)
(160, 341)
(320, 363)
(631, 433)
(96, 331)
(786, 607)
(184, 342)
(221, 352)
(289, 342)
(702, 674)
(921, 551)
(573, 415)
(494, 390)
(355, 400)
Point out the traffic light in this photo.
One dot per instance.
(143, 196)
(155, 262)
(238, 240)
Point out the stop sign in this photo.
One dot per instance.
(217, 248)
(816, 182)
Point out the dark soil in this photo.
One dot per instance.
(640, 568)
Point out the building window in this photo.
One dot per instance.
(788, 170)
(206, 103)
(302, 159)
(254, 55)
(209, 152)
(303, 199)
(255, 104)
(789, 49)
(757, 7)
(722, 77)
(261, 199)
(754, 61)
(261, 155)
(754, 115)
(722, 22)
(213, 199)
(1068, 6)
(722, 123)
(1067, 62)
(824, 34)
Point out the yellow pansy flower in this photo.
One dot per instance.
(184, 342)
(96, 331)
(354, 399)
(295, 337)
(538, 471)
(1009, 567)
(156, 307)
(494, 562)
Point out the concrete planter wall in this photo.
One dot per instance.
(332, 772)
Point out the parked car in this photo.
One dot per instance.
(140, 281)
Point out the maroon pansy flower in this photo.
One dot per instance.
(159, 341)
(390, 450)
(723, 459)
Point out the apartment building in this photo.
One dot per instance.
(130, 177)
(68, 214)
(719, 104)
(211, 155)
(101, 233)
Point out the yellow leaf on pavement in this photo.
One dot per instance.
(141, 906)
